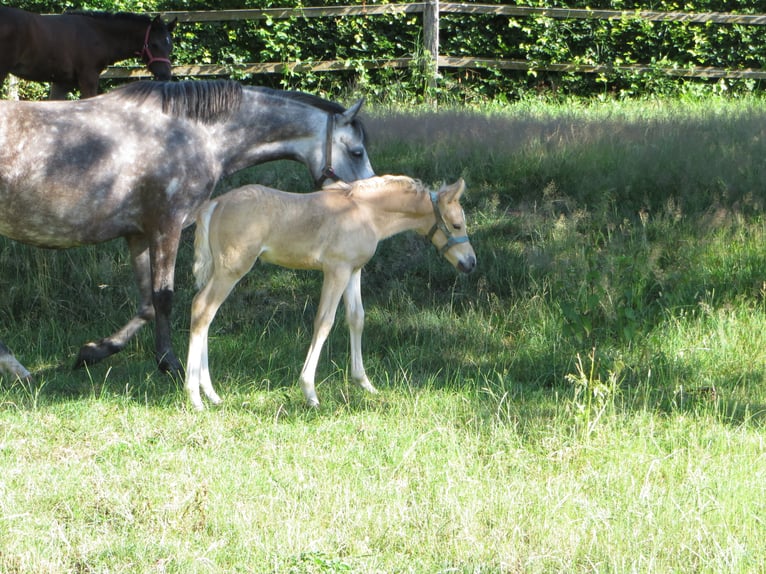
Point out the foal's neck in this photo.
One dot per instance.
(393, 213)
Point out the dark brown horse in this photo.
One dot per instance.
(71, 50)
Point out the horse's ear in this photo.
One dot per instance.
(348, 116)
(169, 25)
(453, 192)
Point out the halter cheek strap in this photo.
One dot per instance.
(441, 225)
(327, 171)
(146, 52)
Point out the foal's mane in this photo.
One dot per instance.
(391, 184)
(206, 101)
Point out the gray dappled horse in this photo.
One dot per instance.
(139, 161)
(72, 49)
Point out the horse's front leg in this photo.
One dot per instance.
(162, 253)
(94, 352)
(59, 91)
(335, 281)
(352, 298)
(88, 84)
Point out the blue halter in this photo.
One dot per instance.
(441, 225)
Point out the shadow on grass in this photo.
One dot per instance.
(592, 226)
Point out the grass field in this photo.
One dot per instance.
(591, 399)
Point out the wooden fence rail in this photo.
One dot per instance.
(431, 10)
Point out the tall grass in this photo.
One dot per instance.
(589, 400)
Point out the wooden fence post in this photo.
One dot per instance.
(431, 39)
(13, 87)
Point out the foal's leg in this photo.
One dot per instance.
(335, 281)
(352, 297)
(204, 307)
(139, 258)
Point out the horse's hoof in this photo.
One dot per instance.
(91, 353)
(171, 366)
(15, 371)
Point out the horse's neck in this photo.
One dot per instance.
(124, 37)
(257, 134)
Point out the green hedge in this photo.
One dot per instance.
(540, 40)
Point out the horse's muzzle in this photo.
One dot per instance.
(161, 71)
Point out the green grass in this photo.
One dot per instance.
(591, 399)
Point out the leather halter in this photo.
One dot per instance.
(441, 225)
(146, 53)
(327, 171)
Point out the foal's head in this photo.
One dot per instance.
(449, 234)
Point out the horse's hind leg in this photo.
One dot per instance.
(9, 364)
(96, 351)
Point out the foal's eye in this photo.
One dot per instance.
(457, 226)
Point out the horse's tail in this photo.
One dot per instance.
(203, 255)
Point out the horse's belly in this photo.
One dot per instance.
(40, 223)
(56, 236)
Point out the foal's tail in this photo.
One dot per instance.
(203, 255)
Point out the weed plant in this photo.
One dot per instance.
(591, 399)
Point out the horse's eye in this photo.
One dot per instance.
(356, 152)
(457, 226)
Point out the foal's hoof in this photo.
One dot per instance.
(91, 353)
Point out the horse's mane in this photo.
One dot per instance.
(206, 101)
(327, 106)
(103, 15)
(315, 101)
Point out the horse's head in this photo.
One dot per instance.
(345, 155)
(449, 234)
(158, 44)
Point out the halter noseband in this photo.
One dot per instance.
(327, 171)
(441, 225)
(146, 53)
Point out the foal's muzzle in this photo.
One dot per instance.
(467, 265)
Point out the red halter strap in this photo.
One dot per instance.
(147, 53)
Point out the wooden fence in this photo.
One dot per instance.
(431, 11)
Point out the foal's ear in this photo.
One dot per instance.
(454, 191)
(348, 116)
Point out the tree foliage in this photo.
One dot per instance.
(538, 40)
